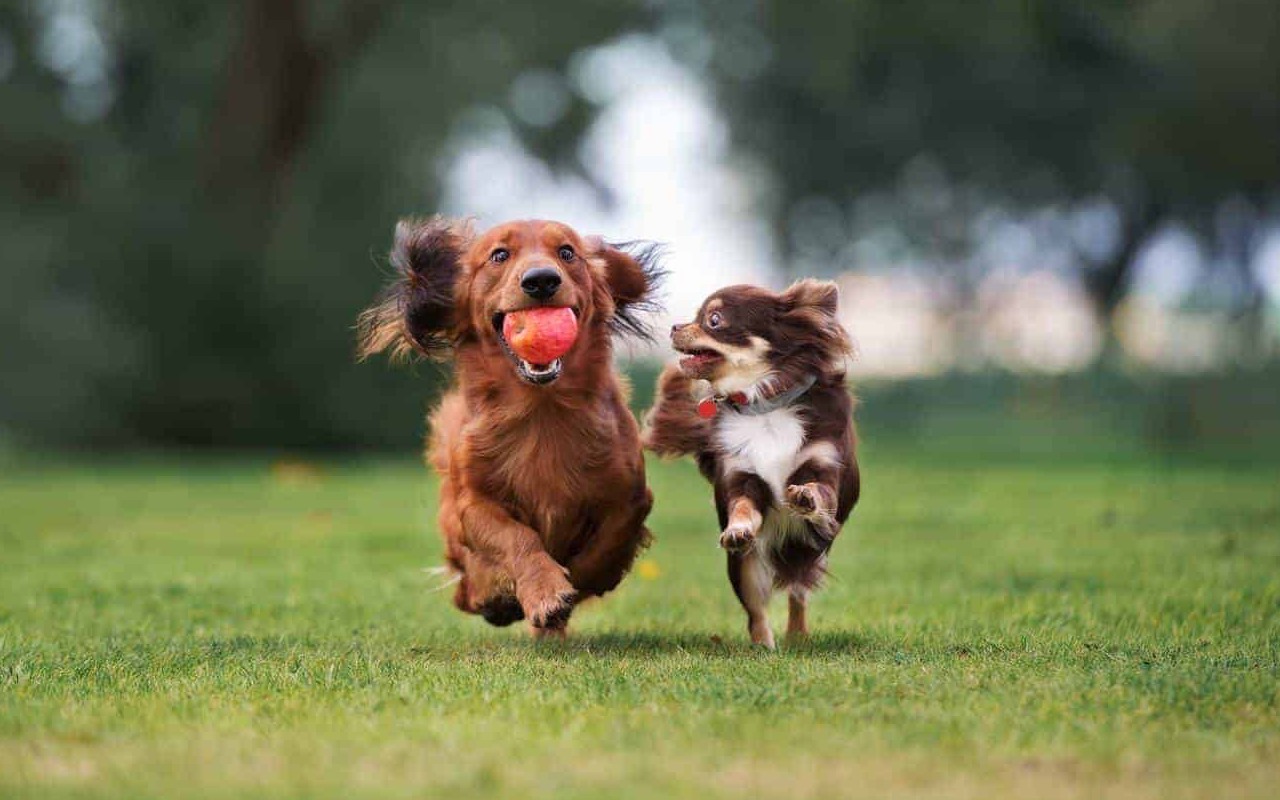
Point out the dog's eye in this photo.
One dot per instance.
(500, 255)
(715, 320)
(566, 253)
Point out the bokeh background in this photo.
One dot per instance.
(1056, 224)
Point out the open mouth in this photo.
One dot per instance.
(539, 374)
(698, 359)
(529, 371)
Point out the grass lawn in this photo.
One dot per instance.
(1048, 629)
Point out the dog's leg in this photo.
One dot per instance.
(741, 500)
(542, 585)
(753, 583)
(745, 499)
(483, 587)
(813, 490)
(486, 589)
(797, 604)
(609, 552)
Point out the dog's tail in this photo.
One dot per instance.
(673, 427)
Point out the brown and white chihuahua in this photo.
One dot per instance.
(759, 399)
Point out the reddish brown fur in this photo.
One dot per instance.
(543, 494)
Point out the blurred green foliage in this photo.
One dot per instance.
(195, 198)
(1163, 110)
(186, 269)
(1228, 418)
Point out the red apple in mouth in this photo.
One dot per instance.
(540, 335)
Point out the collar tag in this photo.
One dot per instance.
(709, 406)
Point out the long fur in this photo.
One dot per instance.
(633, 315)
(415, 313)
(785, 477)
(543, 495)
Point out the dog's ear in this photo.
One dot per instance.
(811, 296)
(633, 273)
(417, 313)
(809, 307)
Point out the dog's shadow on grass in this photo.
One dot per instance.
(863, 645)
(869, 646)
(702, 645)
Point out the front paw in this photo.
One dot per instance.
(806, 500)
(738, 537)
(546, 595)
(551, 612)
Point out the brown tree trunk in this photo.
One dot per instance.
(1107, 283)
(274, 84)
(1237, 235)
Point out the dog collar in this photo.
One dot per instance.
(764, 402)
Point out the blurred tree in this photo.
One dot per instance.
(195, 196)
(1158, 109)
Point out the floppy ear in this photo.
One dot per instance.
(811, 296)
(811, 305)
(417, 312)
(633, 273)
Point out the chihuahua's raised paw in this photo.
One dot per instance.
(738, 537)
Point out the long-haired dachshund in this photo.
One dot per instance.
(759, 399)
(543, 496)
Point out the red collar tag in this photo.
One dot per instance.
(708, 407)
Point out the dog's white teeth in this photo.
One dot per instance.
(545, 370)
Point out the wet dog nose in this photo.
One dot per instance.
(540, 282)
(676, 328)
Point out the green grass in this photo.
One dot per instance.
(991, 629)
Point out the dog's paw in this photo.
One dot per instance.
(804, 499)
(762, 634)
(810, 500)
(551, 611)
(815, 504)
(502, 611)
(738, 537)
(545, 593)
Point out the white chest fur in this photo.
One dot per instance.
(767, 445)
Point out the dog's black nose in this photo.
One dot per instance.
(540, 282)
(676, 328)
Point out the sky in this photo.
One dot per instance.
(658, 144)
